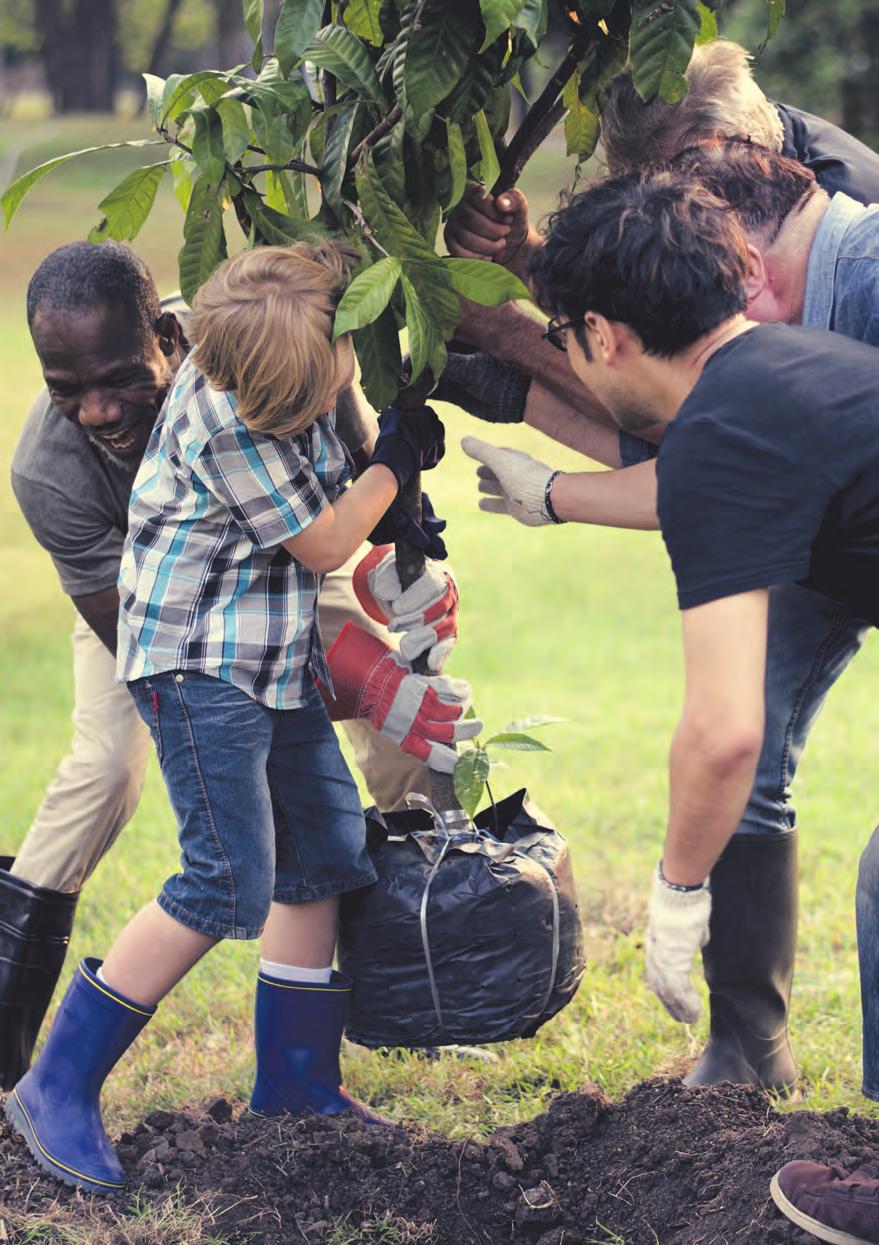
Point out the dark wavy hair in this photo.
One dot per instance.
(760, 186)
(659, 254)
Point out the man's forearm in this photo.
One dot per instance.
(710, 780)
(512, 336)
(557, 419)
(101, 611)
(622, 498)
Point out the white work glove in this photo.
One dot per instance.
(677, 928)
(425, 615)
(516, 483)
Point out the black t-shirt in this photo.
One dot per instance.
(769, 472)
(839, 161)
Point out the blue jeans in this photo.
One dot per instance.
(266, 807)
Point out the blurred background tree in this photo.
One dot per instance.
(826, 60)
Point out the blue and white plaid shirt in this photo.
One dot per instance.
(204, 583)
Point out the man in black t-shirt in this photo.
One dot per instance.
(768, 474)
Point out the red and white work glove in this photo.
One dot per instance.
(423, 714)
(425, 615)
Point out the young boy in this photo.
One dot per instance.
(238, 509)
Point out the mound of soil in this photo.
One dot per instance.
(666, 1166)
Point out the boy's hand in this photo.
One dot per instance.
(408, 442)
(425, 615)
(424, 715)
(396, 524)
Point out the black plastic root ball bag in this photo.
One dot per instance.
(469, 937)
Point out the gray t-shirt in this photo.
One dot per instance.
(74, 499)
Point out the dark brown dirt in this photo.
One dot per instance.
(666, 1166)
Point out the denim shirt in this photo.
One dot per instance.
(842, 278)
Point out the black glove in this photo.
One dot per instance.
(395, 524)
(487, 389)
(408, 442)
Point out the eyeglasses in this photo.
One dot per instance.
(554, 330)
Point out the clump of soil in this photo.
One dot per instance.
(666, 1166)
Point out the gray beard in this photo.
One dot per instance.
(120, 464)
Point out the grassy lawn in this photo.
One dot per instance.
(576, 623)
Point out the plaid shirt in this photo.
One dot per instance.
(204, 584)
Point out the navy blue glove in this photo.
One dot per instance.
(408, 442)
(395, 524)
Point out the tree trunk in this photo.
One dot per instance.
(233, 45)
(162, 41)
(80, 54)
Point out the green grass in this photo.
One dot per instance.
(565, 621)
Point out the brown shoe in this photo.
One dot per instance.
(832, 1204)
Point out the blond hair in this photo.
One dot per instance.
(723, 101)
(263, 325)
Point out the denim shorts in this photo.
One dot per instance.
(266, 807)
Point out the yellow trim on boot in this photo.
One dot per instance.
(329, 988)
(108, 1184)
(115, 997)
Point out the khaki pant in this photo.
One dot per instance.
(98, 784)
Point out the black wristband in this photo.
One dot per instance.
(547, 502)
(677, 886)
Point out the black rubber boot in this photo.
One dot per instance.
(749, 964)
(35, 925)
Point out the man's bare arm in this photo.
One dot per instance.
(101, 611)
(561, 422)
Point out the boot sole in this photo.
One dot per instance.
(16, 1114)
(835, 1236)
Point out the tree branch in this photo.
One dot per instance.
(384, 126)
(295, 166)
(544, 114)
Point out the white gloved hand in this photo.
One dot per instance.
(425, 615)
(515, 482)
(677, 928)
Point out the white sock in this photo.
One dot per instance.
(100, 975)
(292, 972)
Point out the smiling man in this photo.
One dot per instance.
(109, 351)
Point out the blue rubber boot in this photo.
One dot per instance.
(56, 1105)
(298, 1034)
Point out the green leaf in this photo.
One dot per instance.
(473, 91)
(182, 173)
(392, 228)
(516, 741)
(457, 165)
(335, 156)
(708, 25)
(426, 345)
(582, 126)
(205, 242)
(487, 284)
(367, 296)
(15, 192)
(155, 88)
(661, 41)
(532, 20)
(498, 16)
(362, 19)
(277, 228)
(489, 168)
(252, 10)
(335, 49)
(210, 84)
(236, 128)
(128, 205)
(470, 776)
(296, 27)
(776, 13)
(378, 353)
(533, 722)
(208, 149)
(442, 38)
